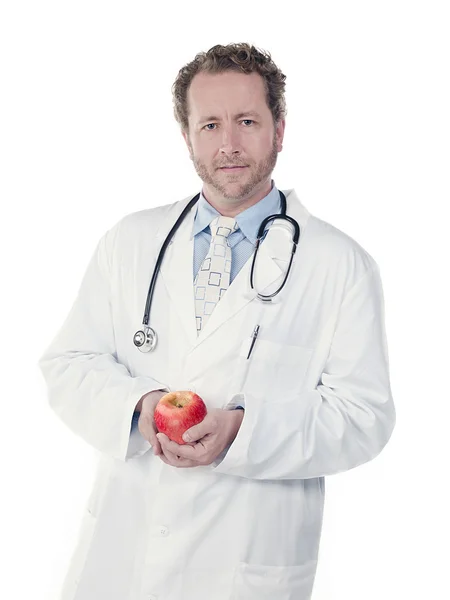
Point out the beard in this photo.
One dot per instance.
(259, 174)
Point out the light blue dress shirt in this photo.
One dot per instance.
(242, 241)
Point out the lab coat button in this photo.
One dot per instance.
(163, 530)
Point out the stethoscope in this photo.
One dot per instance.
(145, 339)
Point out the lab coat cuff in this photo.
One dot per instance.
(237, 401)
(235, 455)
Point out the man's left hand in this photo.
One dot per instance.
(212, 435)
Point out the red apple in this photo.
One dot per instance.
(178, 411)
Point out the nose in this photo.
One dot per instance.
(230, 142)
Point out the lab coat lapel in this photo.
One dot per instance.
(240, 292)
(177, 273)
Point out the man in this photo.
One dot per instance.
(237, 511)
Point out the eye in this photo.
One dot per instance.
(209, 126)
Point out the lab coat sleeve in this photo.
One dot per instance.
(89, 390)
(344, 422)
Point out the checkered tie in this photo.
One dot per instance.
(213, 278)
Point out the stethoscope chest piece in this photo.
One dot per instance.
(145, 340)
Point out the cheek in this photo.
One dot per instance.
(203, 153)
(256, 147)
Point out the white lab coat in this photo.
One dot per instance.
(317, 402)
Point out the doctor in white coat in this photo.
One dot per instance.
(237, 513)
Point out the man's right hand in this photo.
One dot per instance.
(146, 423)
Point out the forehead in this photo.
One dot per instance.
(229, 91)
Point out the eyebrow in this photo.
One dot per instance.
(250, 113)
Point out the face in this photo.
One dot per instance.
(231, 124)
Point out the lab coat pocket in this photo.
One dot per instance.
(260, 582)
(273, 371)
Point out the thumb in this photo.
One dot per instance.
(195, 433)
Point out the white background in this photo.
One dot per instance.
(87, 136)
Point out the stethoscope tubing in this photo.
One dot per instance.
(161, 256)
(142, 338)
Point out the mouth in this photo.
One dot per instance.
(233, 169)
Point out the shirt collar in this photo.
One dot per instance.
(248, 220)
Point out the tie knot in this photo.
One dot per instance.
(223, 226)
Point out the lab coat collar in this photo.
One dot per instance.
(177, 268)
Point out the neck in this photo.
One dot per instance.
(230, 207)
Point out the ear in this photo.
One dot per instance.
(279, 132)
(187, 140)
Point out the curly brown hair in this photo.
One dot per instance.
(243, 58)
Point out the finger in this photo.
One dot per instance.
(197, 432)
(191, 452)
(156, 443)
(148, 431)
(164, 459)
(171, 459)
(157, 450)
